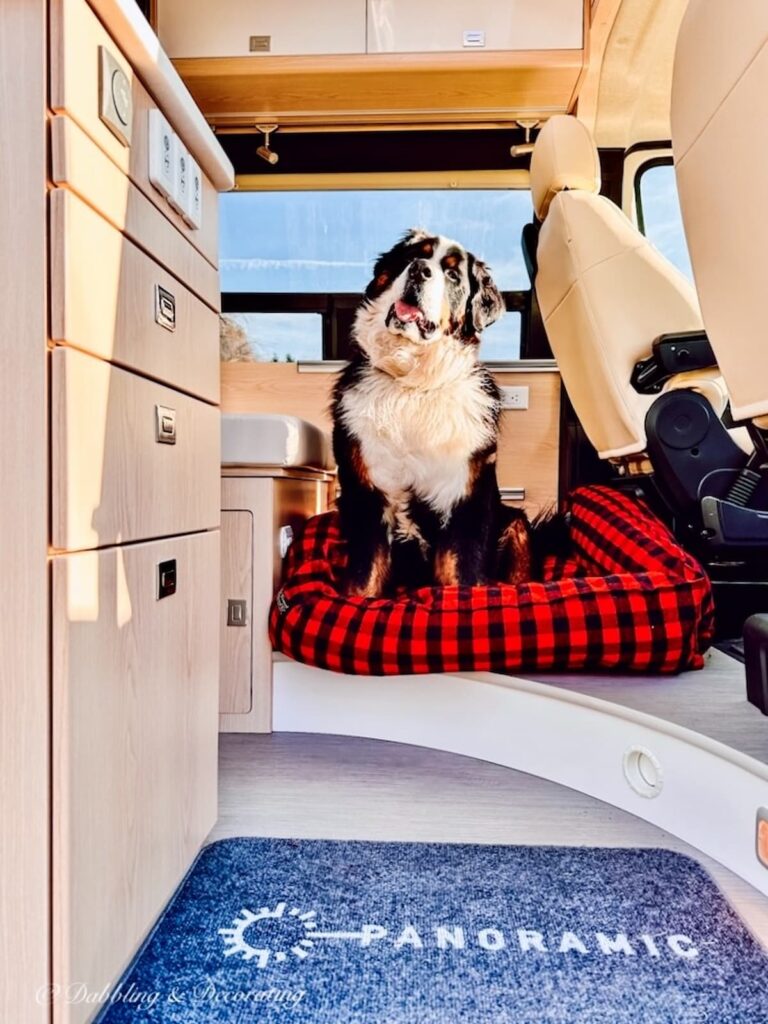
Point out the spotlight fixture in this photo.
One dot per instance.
(524, 148)
(264, 151)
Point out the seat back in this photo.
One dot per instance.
(604, 291)
(719, 114)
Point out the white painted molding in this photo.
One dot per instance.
(710, 792)
(125, 22)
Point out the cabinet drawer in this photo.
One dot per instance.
(76, 35)
(83, 168)
(112, 480)
(134, 714)
(111, 299)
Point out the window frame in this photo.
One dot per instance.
(336, 345)
(642, 170)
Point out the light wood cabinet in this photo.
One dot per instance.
(89, 174)
(114, 478)
(196, 28)
(199, 28)
(236, 611)
(109, 724)
(273, 501)
(402, 26)
(134, 745)
(109, 298)
(76, 36)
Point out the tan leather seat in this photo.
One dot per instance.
(719, 117)
(605, 293)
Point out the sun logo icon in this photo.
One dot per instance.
(248, 922)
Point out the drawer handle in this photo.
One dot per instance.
(166, 579)
(165, 308)
(237, 612)
(512, 493)
(165, 425)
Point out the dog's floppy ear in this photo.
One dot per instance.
(485, 304)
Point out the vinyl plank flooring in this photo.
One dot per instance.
(712, 701)
(328, 787)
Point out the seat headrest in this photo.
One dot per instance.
(564, 157)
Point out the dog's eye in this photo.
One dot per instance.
(452, 274)
(382, 280)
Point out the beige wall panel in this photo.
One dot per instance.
(103, 300)
(401, 26)
(529, 443)
(24, 683)
(112, 482)
(83, 168)
(236, 584)
(276, 387)
(75, 91)
(198, 28)
(135, 747)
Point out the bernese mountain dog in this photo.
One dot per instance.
(416, 422)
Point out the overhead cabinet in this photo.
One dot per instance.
(420, 26)
(230, 28)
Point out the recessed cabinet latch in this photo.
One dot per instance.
(165, 308)
(165, 425)
(166, 579)
(237, 613)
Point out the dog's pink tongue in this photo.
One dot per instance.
(406, 313)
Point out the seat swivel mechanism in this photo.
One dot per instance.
(703, 474)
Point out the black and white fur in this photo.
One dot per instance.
(416, 421)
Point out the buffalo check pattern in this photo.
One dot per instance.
(626, 597)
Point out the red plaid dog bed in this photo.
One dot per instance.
(626, 597)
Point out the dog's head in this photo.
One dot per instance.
(427, 287)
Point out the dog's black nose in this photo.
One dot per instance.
(419, 270)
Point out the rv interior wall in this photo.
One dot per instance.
(24, 726)
(529, 443)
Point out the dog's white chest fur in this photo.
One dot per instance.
(418, 440)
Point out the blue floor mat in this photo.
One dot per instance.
(408, 933)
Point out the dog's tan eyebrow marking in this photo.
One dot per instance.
(428, 248)
(451, 260)
(381, 280)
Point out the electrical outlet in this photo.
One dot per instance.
(515, 398)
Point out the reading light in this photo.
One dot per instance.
(524, 148)
(264, 151)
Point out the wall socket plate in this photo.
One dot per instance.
(515, 397)
(162, 169)
(180, 195)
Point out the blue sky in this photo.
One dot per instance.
(328, 241)
(661, 213)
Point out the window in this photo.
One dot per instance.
(658, 212)
(272, 337)
(294, 264)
